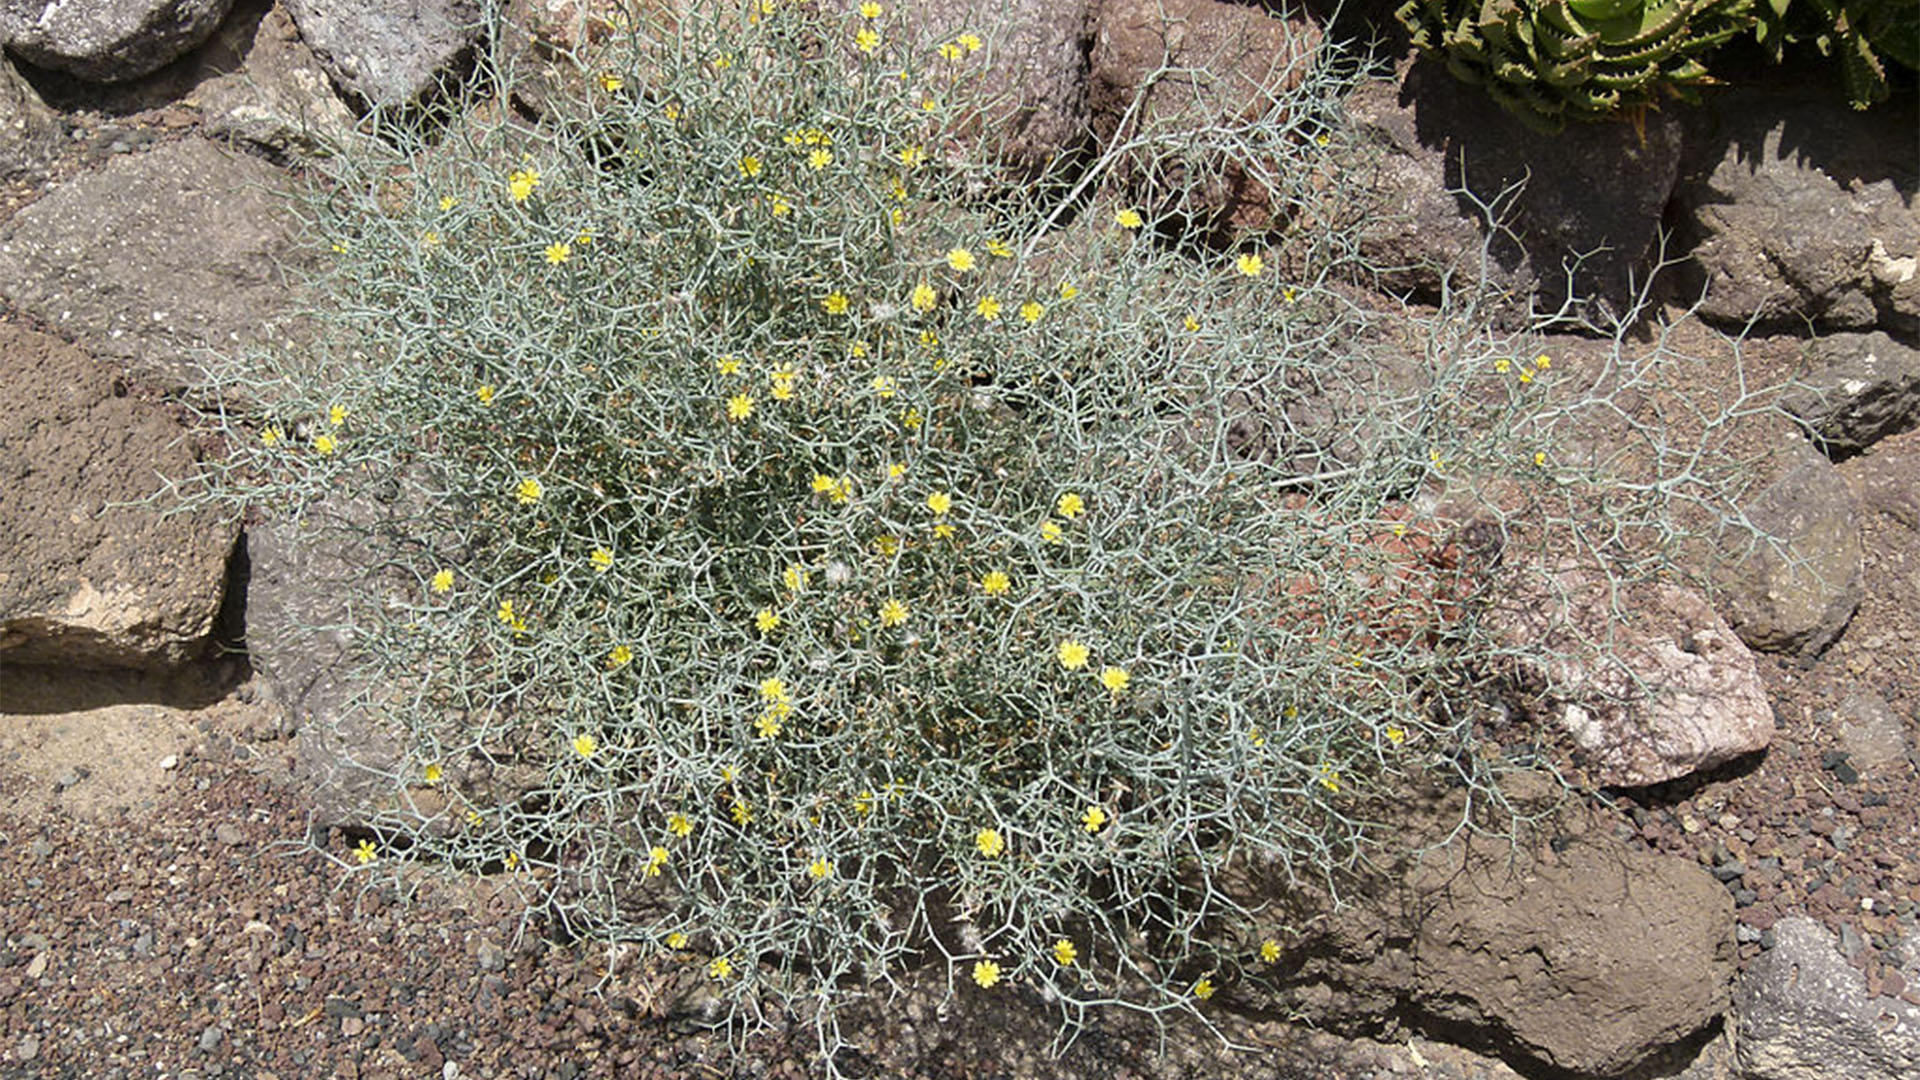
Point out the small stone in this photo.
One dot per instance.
(492, 957)
(41, 848)
(1730, 871)
(29, 1048)
(229, 834)
(170, 762)
(38, 965)
(210, 1038)
(351, 1026)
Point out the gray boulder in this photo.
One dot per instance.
(389, 52)
(264, 87)
(1801, 212)
(308, 579)
(1435, 158)
(1026, 86)
(1792, 585)
(107, 40)
(157, 257)
(1862, 388)
(1802, 1013)
(92, 575)
(29, 131)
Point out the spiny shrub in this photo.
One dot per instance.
(854, 561)
(1550, 61)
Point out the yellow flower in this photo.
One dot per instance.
(863, 803)
(970, 42)
(721, 969)
(794, 577)
(1051, 532)
(513, 860)
(996, 583)
(866, 40)
(1203, 989)
(621, 656)
(679, 825)
(836, 303)
(1094, 819)
(870, 10)
(819, 158)
(529, 491)
(1000, 249)
(893, 613)
(940, 502)
(433, 774)
(270, 436)
(1288, 295)
(886, 386)
(1192, 324)
(989, 842)
(1129, 218)
(1396, 734)
(430, 239)
(474, 819)
(656, 858)
(779, 206)
(1073, 655)
(783, 378)
(337, 415)
(323, 444)
(506, 612)
(924, 297)
(448, 202)
(366, 852)
(585, 745)
(1526, 376)
(485, 394)
(1543, 361)
(766, 621)
(676, 940)
(1540, 458)
(727, 365)
(749, 166)
(558, 253)
(988, 307)
(611, 83)
(1068, 290)
(911, 419)
(820, 869)
(768, 725)
(739, 407)
(960, 259)
(521, 184)
(602, 560)
(951, 51)
(886, 545)
(1115, 679)
(1071, 506)
(1328, 778)
(741, 813)
(912, 157)
(1249, 264)
(1064, 953)
(1032, 310)
(1503, 365)
(987, 974)
(943, 530)
(1269, 950)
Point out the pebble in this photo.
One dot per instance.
(170, 762)
(28, 1049)
(42, 847)
(210, 1038)
(38, 965)
(492, 957)
(229, 834)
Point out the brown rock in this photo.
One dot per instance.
(1187, 65)
(91, 574)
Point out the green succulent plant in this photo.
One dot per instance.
(1548, 61)
(1864, 35)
